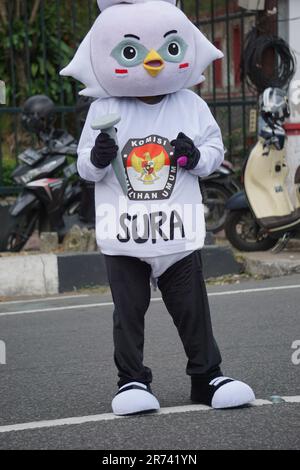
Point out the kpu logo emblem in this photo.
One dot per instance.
(150, 174)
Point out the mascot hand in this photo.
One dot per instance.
(104, 151)
(185, 147)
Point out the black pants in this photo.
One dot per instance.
(184, 294)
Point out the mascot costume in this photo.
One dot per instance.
(157, 138)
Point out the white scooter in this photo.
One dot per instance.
(265, 214)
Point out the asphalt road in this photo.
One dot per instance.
(59, 365)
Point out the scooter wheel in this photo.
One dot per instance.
(215, 197)
(19, 230)
(245, 234)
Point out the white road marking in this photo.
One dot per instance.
(44, 299)
(110, 416)
(68, 307)
(261, 402)
(295, 399)
(57, 309)
(155, 299)
(258, 289)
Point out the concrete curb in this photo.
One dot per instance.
(43, 274)
(28, 275)
(267, 264)
(76, 271)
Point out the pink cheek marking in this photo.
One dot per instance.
(121, 72)
(184, 66)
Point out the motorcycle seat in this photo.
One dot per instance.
(297, 175)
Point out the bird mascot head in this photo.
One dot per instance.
(141, 48)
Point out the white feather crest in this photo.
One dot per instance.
(82, 70)
(109, 3)
(206, 53)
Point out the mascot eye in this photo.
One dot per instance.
(129, 52)
(174, 49)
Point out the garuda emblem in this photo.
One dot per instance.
(148, 167)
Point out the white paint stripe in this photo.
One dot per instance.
(57, 309)
(68, 307)
(260, 402)
(57, 422)
(295, 399)
(110, 416)
(157, 299)
(258, 289)
(183, 409)
(44, 299)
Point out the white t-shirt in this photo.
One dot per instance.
(163, 212)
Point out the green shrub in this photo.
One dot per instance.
(8, 165)
(41, 37)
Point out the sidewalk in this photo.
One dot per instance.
(269, 264)
(30, 273)
(26, 274)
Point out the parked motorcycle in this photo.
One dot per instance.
(265, 214)
(54, 197)
(216, 189)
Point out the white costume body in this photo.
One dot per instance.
(169, 189)
(151, 49)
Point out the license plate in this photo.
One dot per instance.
(31, 157)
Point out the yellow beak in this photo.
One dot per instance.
(153, 63)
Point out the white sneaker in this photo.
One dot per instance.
(221, 392)
(132, 398)
(230, 393)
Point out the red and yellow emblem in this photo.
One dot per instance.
(149, 169)
(147, 161)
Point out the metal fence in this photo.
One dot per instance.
(39, 37)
